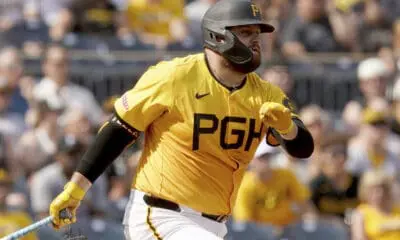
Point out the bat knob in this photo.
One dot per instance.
(65, 214)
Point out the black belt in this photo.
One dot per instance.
(162, 203)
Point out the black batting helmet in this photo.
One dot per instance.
(231, 13)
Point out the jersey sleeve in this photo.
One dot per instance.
(151, 97)
(275, 94)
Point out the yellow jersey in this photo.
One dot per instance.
(273, 201)
(373, 219)
(13, 221)
(199, 135)
(154, 18)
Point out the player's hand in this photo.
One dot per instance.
(277, 116)
(69, 199)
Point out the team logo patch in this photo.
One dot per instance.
(125, 103)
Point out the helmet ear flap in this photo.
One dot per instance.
(230, 47)
(237, 52)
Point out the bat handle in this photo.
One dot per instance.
(33, 227)
(28, 229)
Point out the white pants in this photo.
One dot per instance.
(142, 222)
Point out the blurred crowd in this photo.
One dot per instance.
(303, 26)
(348, 188)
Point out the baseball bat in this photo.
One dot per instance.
(34, 226)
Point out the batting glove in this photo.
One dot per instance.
(69, 199)
(277, 116)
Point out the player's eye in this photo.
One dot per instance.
(248, 33)
(245, 33)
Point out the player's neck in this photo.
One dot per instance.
(224, 74)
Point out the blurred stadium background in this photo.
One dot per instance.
(64, 62)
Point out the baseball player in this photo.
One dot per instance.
(203, 117)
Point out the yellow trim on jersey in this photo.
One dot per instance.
(151, 226)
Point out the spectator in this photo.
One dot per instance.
(77, 124)
(36, 146)
(11, 221)
(369, 149)
(157, 22)
(10, 13)
(194, 11)
(391, 9)
(317, 122)
(95, 17)
(375, 30)
(280, 159)
(270, 196)
(56, 83)
(346, 5)
(314, 29)
(11, 124)
(396, 108)
(30, 34)
(278, 13)
(335, 191)
(50, 10)
(396, 37)
(378, 215)
(279, 75)
(372, 74)
(49, 181)
(11, 69)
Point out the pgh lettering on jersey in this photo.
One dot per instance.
(200, 136)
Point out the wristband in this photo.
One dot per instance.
(74, 190)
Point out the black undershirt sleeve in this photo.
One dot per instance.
(109, 143)
(300, 147)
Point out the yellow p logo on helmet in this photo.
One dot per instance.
(255, 10)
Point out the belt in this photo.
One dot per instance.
(162, 203)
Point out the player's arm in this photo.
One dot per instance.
(298, 142)
(151, 97)
(286, 130)
(284, 126)
(112, 139)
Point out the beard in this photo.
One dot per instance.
(248, 67)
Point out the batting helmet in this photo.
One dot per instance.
(231, 13)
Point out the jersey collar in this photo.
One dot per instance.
(230, 89)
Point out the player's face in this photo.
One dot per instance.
(250, 36)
